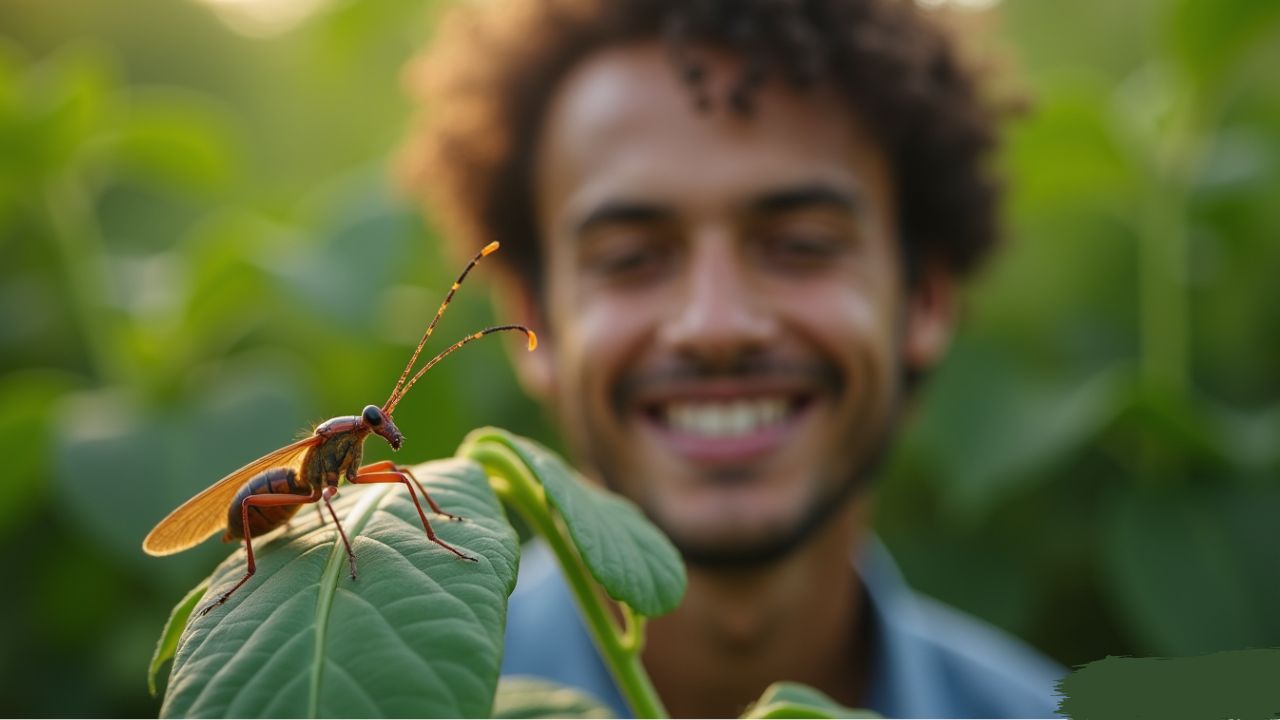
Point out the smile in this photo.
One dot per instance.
(727, 429)
(720, 419)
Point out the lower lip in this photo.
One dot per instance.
(726, 449)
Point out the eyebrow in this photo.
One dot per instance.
(622, 212)
(773, 202)
(805, 196)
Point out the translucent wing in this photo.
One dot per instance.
(205, 514)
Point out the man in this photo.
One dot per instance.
(739, 227)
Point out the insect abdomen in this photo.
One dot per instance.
(264, 518)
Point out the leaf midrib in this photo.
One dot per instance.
(354, 523)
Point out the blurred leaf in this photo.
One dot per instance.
(625, 553)
(27, 402)
(1068, 152)
(228, 293)
(990, 438)
(1240, 159)
(60, 104)
(529, 697)
(168, 642)
(1179, 431)
(179, 138)
(121, 466)
(1251, 440)
(793, 700)
(1208, 38)
(1180, 578)
(418, 633)
(338, 276)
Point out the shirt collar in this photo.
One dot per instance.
(901, 682)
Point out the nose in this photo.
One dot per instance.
(721, 315)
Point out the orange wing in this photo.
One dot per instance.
(205, 514)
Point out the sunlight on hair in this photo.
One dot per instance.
(264, 18)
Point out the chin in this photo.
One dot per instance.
(744, 528)
(739, 551)
(729, 540)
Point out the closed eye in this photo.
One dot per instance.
(626, 252)
(803, 243)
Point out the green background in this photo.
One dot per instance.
(203, 251)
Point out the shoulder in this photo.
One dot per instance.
(933, 660)
(987, 671)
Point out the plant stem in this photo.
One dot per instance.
(619, 646)
(87, 277)
(1163, 251)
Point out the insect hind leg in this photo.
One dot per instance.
(389, 466)
(399, 476)
(263, 500)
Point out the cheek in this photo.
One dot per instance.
(845, 318)
(599, 339)
(856, 330)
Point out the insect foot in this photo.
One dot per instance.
(205, 610)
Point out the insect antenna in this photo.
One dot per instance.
(488, 249)
(395, 397)
(401, 388)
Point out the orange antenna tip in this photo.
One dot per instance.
(489, 249)
(533, 341)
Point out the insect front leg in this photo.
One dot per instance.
(389, 466)
(396, 476)
(263, 500)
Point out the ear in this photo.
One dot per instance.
(932, 310)
(516, 301)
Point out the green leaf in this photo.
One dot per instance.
(418, 633)
(527, 697)
(1209, 38)
(180, 139)
(1023, 429)
(793, 700)
(625, 553)
(28, 399)
(1180, 578)
(157, 458)
(168, 642)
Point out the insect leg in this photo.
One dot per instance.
(330, 491)
(387, 465)
(265, 499)
(400, 477)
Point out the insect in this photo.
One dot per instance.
(266, 493)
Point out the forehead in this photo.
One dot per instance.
(623, 123)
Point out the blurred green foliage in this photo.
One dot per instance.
(202, 253)
(1097, 466)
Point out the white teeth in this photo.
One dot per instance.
(725, 419)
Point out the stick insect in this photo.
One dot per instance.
(266, 493)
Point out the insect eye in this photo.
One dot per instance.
(372, 415)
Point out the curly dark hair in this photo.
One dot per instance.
(486, 82)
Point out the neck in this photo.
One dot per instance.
(740, 630)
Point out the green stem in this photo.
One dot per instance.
(619, 646)
(88, 279)
(1163, 251)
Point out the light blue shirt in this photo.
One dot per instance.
(927, 659)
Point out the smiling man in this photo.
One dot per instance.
(739, 227)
